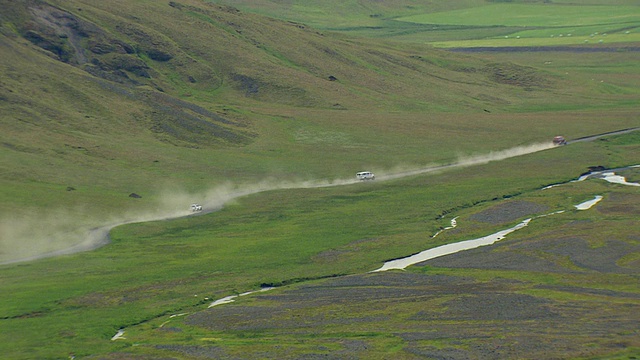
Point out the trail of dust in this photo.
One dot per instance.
(472, 160)
(25, 239)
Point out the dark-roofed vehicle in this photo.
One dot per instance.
(559, 140)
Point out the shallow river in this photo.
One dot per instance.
(401, 264)
(448, 249)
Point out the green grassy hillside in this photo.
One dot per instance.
(100, 102)
(223, 80)
(101, 88)
(192, 101)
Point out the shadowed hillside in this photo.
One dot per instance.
(115, 86)
(197, 49)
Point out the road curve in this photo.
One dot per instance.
(98, 237)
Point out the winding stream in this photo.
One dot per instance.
(450, 249)
(453, 248)
(443, 250)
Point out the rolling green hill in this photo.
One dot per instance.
(102, 88)
(468, 23)
(115, 110)
(92, 86)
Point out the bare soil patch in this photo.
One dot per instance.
(508, 211)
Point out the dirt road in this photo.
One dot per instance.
(98, 237)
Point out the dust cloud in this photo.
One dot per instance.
(464, 161)
(23, 236)
(60, 232)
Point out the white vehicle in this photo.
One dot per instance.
(196, 207)
(365, 175)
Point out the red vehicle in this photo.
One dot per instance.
(559, 140)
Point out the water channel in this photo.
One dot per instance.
(401, 264)
(609, 176)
